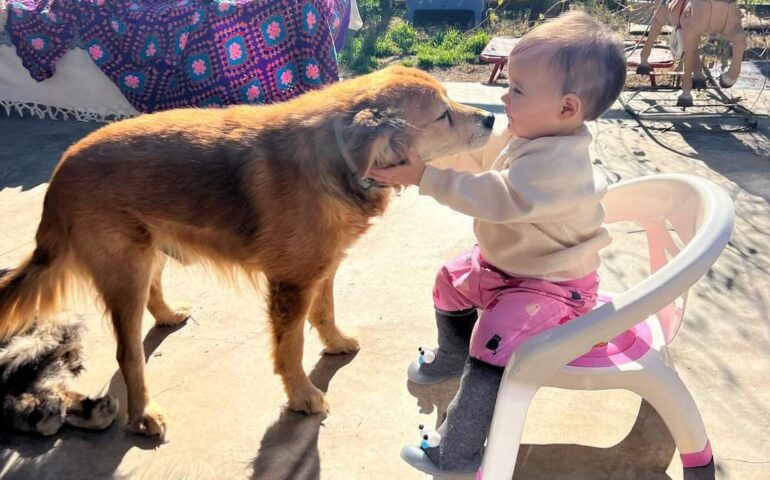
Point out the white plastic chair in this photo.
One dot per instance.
(640, 322)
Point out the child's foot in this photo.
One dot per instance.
(448, 360)
(435, 366)
(427, 456)
(421, 460)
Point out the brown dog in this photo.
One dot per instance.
(277, 190)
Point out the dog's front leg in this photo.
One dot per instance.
(322, 318)
(288, 305)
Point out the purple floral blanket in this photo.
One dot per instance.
(167, 54)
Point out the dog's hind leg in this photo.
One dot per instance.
(322, 318)
(85, 412)
(125, 292)
(164, 315)
(288, 304)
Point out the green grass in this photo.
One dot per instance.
(357, 56)
(387, 35)
(451, 47)
(399, 39)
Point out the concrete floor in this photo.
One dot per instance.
(215, 377)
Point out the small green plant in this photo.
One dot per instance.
(403, 34)
(450, 47)
(357, 56)
(386, 47)
(370, 11)
(477, 40)
(399, 39)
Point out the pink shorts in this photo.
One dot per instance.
(514, 309)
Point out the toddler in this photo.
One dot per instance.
(538, 224)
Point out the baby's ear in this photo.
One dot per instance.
(571, 106)
(374, 137)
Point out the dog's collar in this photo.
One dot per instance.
(364, 183)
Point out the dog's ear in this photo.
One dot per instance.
(374, 138)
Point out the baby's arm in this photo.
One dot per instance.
(473, 161)
(542, 184)
(476, 160)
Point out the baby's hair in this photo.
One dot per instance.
(586, 53)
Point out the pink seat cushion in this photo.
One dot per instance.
(627, 347)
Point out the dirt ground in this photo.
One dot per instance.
(466, 73)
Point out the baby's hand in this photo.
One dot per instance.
(409, 173)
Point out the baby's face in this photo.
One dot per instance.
(534, 99)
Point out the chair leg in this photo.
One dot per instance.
(498, 68)
(504, 437)
(661, 386)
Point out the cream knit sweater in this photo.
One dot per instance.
(536, 204)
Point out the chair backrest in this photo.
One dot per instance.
(670, 208)
(701, 214)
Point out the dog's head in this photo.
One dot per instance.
(397, 108)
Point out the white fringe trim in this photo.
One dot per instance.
(105, 115)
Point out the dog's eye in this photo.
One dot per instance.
(447, 116)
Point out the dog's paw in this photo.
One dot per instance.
(309, 400)
(104, 412)
(153, 421)
(51, 417)
(174, 317)
(342, 344)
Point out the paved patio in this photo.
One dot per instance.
(215, 377)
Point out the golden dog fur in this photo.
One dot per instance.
(257, 189)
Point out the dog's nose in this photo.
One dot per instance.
(489, 121)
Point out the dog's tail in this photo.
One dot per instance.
(36, 288)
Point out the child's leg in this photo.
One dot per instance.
(454, 335)
(464, 430)
(469, 415)
(455, 317)
(515, 317)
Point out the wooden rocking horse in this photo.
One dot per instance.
(696, 18)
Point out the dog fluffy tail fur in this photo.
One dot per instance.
(36, 370)
(36, 288)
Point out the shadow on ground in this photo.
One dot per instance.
(289, 448)
(29, 159)
(734, 145)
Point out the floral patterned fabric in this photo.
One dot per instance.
(166, 54)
